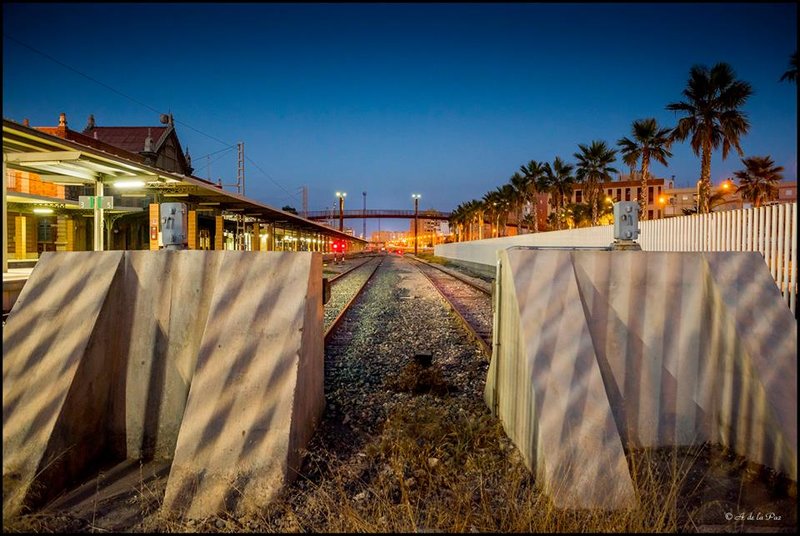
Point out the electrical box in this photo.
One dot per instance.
(626, 220)
(174, 225)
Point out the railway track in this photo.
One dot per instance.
(343, 274)
(471, 303)
(341, 299)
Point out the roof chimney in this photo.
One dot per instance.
(26, 123)
(62, 120)
(90, 124)
(148, 143)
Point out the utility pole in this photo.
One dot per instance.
(240, 169)
(365, 214)
(416, 214)
(305, 201)
(240, 220)
(341, 196)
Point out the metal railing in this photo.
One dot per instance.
(375, 213)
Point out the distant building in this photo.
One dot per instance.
(388, 236)
(679, 201)
(627, 188)
(429, 232)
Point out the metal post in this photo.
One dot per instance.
(98, 216)
(365, 214)
(416, 220)
(240, 168)
(341, 196)
(5, 217)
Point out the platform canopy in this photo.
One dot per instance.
(63, 161)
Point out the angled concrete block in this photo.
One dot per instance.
(690, 347)
(257, 391)
(214, 357)
(54, 362)
(546, 385)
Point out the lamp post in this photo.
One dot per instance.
(341, 196)
(365, 214)
(416, 214)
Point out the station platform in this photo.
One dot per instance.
(13, 281)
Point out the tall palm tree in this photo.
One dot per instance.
(758, 182)
(594, 168)
(458, 220)
(519, 183)
(712, 117)
(506, 200)
(534, 172)
(649, 142)
(490, 208)
(560, 178)
(791, 74)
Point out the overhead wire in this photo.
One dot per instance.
(132, 99)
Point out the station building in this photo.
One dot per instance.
(102, 188)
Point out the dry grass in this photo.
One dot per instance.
(439, 463)
(434, 468)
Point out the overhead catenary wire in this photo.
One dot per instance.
(293, 196)
(151, 108)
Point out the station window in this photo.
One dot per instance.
(650, 197)
(578, 196)
(627, 194)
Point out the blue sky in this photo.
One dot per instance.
(445, 100)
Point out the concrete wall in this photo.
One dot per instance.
(770, 230)
(213, 357)
(598, 350)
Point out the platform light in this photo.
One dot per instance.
(129, 184)
(42, 210)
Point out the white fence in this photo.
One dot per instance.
(770, 230)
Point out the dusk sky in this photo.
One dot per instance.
(444, 100)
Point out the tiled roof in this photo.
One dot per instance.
(128, 138)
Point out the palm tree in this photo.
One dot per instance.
(490, 208)
(713, 117)
(534, 172)
(594, 168)
(791, 74)
(648, 142)
(560, 178)
(520, 185)
(578, 215)
(458, 220)
(506, 198)
(758, 182)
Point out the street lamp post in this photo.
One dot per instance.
(365, 214)
(416, 214)
(341, 196)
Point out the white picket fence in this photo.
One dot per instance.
(769, 230)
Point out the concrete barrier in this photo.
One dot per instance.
(139, 354)
(596, 350)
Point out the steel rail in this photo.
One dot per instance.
(455, 276)
(336, 321)
(484, 346)
(349, 270)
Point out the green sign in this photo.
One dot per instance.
(95, 201)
